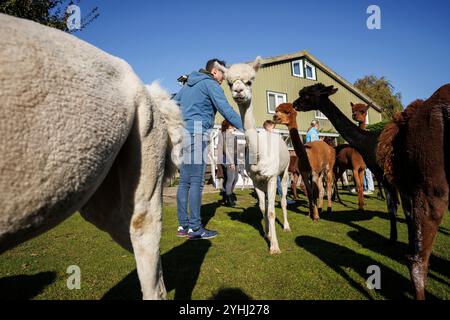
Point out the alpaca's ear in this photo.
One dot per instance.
(257, 63)
(331, 90)
(220, 67)
(351, 104)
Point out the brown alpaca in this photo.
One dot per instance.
(317, 157)
(347, 158)
(316, 97)
(418, 141)
(359, 114)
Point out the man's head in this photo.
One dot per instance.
(214, 67)
(269, 125)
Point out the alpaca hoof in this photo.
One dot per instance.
(275, 251)
(288, 229)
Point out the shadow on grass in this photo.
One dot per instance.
(208, 211)
(24, 287)
(251, 216)
(376, 243)
(230, 294)
(181, 268)
(340, 259)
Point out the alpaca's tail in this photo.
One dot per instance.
(174, 123)
(385, 150)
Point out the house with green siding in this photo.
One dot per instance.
(279, 80)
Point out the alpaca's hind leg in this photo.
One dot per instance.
(284, 188)
(321, 193)
(359, 178)
(271, 193)
(145, 232)
(314, 196)
(427, 215)
(391, 201)
(330, 182)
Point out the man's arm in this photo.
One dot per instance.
(220, 102)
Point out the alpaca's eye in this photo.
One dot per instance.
(249, 83)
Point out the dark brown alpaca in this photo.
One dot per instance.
(418, 142)
(317, 157)
(347, 158)
(316, 97)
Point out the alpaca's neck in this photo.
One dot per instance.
(292, 125)
(362, 125)
(349, 131)
(299, 148)
(364, 141)
(246, 111)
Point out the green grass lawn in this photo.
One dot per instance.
(324, 260)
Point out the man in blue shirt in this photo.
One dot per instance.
(313, 132)
(199, 99)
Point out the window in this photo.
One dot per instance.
(310, 71)
(320, 115)
(274, 99)
(297, 68)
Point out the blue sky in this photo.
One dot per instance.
(164, 39)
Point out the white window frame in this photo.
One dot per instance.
(276, 94)
(302, 73)
(319, 115)
(313, 68)
(367, 117)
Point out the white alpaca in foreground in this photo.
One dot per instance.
(272, 154)
(80, 131)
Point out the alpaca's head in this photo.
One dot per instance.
(311, 97)
(359, 112)
(285, 114)
(240, 78)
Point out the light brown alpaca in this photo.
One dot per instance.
(418, 141)
(321, 159)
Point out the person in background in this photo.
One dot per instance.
(227, 158)
(199, 100)
(269, 126)
(369, 187)
(313, 132)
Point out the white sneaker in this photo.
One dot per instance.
(368, 192)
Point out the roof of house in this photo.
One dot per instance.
(324, 68)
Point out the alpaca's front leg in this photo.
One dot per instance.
(145, 232)
(262, 206)
(284, 188)
(271, 193)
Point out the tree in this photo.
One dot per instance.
(381, 91)
(51, 13)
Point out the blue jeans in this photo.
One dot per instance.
(192, 173)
